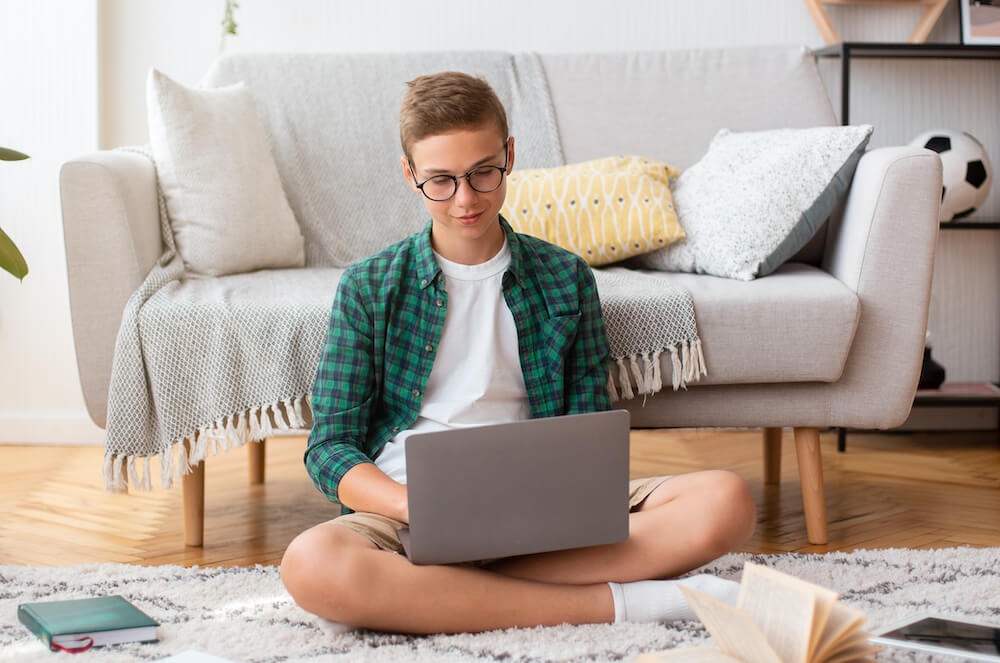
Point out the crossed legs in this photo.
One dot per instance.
(685, 522)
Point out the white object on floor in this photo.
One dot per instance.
(662, 600)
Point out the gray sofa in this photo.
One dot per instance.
(833, 338)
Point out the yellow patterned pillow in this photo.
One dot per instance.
(604, 210)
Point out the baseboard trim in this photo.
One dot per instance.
(52, 428)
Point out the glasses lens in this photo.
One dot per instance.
(485, 179)
(439, 188)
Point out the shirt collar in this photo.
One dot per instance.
(428, 268)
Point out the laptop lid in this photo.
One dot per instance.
(517, 488)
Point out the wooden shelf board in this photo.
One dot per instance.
(959, 394)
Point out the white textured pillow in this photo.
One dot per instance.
(756, 198)
(227, 208)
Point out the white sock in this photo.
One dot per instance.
(662, 600)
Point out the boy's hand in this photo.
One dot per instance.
(366, 488)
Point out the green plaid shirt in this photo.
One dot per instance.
(386, 322)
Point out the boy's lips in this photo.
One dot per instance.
(470, 219)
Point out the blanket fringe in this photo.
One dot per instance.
(183, 467)
(133, 476)
(226, 433)
(254, 415)
(628, 377)
(624, 385)
(279, 419)
(266, 429)
(300, 419)
(641, 374)
(612, 392)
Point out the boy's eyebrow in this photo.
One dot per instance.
(444, 171)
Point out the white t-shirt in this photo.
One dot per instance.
(476, 379)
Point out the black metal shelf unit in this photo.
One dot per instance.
(848, 50)
(856, 49)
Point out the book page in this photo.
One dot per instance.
(733, 630)
(856, 652)
(687, 655)
(787, 610)
(843, 622)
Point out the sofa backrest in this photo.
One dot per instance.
(333, 122)
(665, 105)
(668, 105)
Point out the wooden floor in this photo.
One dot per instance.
(925, 490)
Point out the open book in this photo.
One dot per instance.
(780, 619)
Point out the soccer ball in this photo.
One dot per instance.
(966, 171)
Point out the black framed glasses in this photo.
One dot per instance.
(481, 178)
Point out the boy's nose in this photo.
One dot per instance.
(465, 190)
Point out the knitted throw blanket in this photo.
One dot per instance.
(207, 364)
(646, 316)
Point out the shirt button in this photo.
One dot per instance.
(396, 429)
(416, 393)
(428, 347)
(423, 283)
(439, 302)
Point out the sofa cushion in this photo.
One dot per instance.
(227, 207)
(795, 325)
(603, 210)
(756, 198)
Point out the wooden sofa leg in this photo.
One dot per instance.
(194, 504)
(810, 461)
(256, 454)
(772, 456)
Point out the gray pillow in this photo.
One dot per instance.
(226, 204)
(756, 198)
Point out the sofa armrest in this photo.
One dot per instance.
(882, 247)
(111, 226)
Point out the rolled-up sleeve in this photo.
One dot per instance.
(343, 392)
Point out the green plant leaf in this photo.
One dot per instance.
(7, 154)
(10, 258)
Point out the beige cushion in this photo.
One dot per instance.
(794, 325)
(224, 197)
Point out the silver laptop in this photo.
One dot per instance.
(513, 489)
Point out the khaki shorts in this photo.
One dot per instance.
(382, 530)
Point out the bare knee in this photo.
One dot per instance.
(323, 570)
(730, 515)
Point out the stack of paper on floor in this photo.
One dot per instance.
(780, 619)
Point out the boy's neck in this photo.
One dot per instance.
(473, 251)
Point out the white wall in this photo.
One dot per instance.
(137, 35)
(48, 109)
(82, 64)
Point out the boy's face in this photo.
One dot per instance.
(466, 226)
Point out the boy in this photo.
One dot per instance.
(468, 323)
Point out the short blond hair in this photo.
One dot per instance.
(443, 102)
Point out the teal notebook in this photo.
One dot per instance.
(84, 623)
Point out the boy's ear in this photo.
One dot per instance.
(408, 174)
(510, 154)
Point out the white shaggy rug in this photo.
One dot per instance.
(244, 614)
